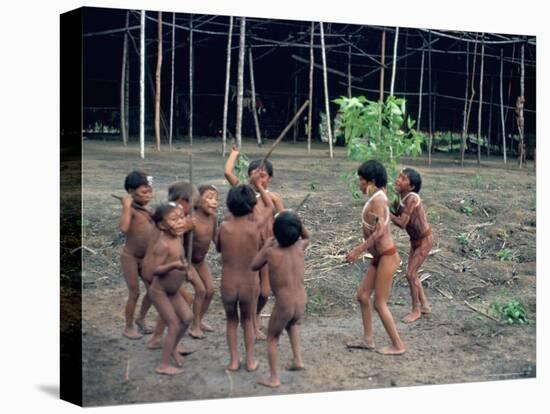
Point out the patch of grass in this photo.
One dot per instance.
(506, 255)
(316, 303)
(463, 239)
(434, 217)
(510, 312)
(467, 210)
(476, 181)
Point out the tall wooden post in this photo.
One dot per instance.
(490, 126)
(472, 88)
(465, 110)
(191, 79)
(310, 108)
(240, 83)
(123, 130)
(172, 81)
(430, 124)
(327, 106)
(503, 129)
(519, 108)
(142, 85)
(419, 117)
(227, 78)
(480, 107)
(253, 89)
(157, 78)
(394, 66)
(381, 95)
(349, 70)
(295, 106)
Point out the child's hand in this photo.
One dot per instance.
(271, 242)
(188, 224)
(235, 150)
(256, 177)
(181, 264)
(127, 201)
(353, 255)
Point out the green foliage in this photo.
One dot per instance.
(377, 130)
(463, 239)
(505, 255)
(476, 182)
(467, 210)
(511, 312)
(241, 167)
(316, 303)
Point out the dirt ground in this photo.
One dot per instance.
(489, 209)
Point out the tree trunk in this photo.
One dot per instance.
(227, 78)
(490, 126)
(253, 89)
(172, 81)
(142, 86)
(480, 107)
(157, 77)
(502, 108)
(420, 93)
(123, 130)
(521, 121)
(472, 88)
(191, 79)
(394, 66)
(240, 83)
(310, 109)
(325, 83)
(465, 110)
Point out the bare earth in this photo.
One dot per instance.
(452, 344)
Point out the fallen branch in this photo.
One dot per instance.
(443, 293)
(302, 202)
(134, 205)
(481, 312)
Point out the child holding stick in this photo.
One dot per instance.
(411, 216)
(385, 261)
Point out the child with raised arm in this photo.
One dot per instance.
(204, 232)
(411, 216)
(137, 224)
(266, 177)
(166, 267)
(375, 219)
(285, 256)
(238, 240)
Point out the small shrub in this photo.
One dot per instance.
(463, 239)
(505, 255)
(511, 312)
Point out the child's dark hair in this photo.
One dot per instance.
(414, 178)
(287, 228)
(182, 190)
(254, 164)
(373, 170)
(162, 210)
(241, 200)
(205, 187)
(135, 180)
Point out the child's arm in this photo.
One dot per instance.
(217, 240)
(229, 167)
(305, 237)
(403, 219)
(379, 212)
(261, 257)
(254, 178)
(126, 217)
(160, 255)
(277, 202)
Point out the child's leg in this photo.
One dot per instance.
(294, 336)
(277, 322)
(382, 289)
(206, 278)
(145, 305)
(185, 316)
(232, 321)
(364, 293)
(130, 272)
(265, 288)
(156, 340)
(417, 256)
(247, 307)
(166, 311)
(195, 331)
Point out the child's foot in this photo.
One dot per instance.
(178, 358)
(206, 328)
(143, 328)
(268, 382)
(411, 316)
(234, 366)
(294, 366)
(391, 350)
(154, 343)
(181, 349)
(196, 334)
(131, 333)
(252, 366)
(361, 344)
(168, 370)
(426, 310)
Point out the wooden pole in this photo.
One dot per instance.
(310, 109)
(480, 107)
(325, 83)
(191, 79)
(430, 118)
(393, 69)
(490, 126)
(142, 86)
(227, 78)
(383, 55)
(253, 89)
(472, 88)
(240, 83)
(172, 82)
(420, 92)
(503, 129)
(123, 130)
(157, 77)
(295, 105)
(465, 110)
(127, 97)
(192, 207)
(349, 69)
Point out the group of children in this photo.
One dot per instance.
(262, 250)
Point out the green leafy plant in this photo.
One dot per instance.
(506, 255)
(510, 312)
(241, 167)
(463, 239)
(467, 210)
(378, 130)
(476, 182)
